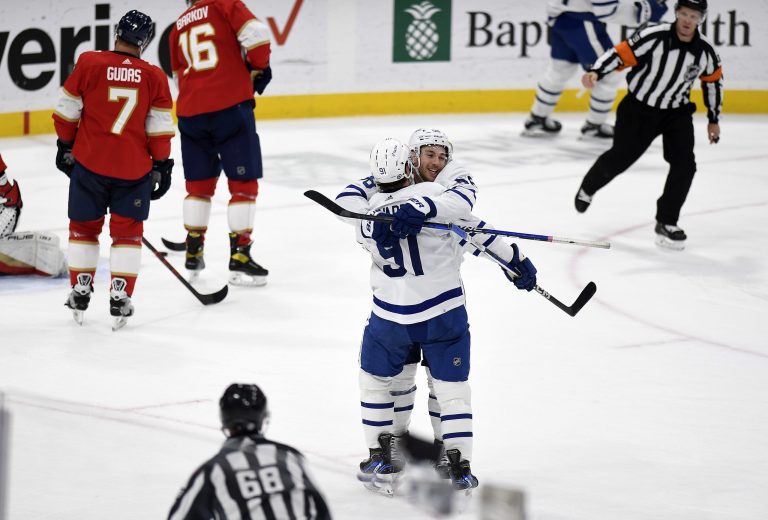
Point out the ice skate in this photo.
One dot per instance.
(671, 237)
(537, 126)
(80, 296)
(460, 472)
(194, 261)
(442, 464)
(382, 470)
(242, 269)
(120, 306)
(582, 200)
(596, 131)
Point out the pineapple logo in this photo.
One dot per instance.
(422, 31)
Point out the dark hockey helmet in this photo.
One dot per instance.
(696, 5)
(243, 410)
(135, 28)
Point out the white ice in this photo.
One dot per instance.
(651, 404)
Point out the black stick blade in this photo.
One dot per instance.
(586, 294)
(174, 246)
(209, 299)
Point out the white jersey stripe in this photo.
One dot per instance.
(189, 498)
(228, 504)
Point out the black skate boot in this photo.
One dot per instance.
(242, 269)
(382, 469)
(194, 261)
(669, 236)
(80, 296)
(539, 125)
(461, 474)
(442, 464)
(582, 200)
(599, 131)
(120, 306)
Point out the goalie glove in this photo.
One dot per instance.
(161, 178)
(64, 159)
(523, 268)
(410, 217)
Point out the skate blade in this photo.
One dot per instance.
(194, 275)
(596, 138)
(461, 500)
(118, 322)
(675, 245)
(538, 133)
(380, 488)
(246, 280)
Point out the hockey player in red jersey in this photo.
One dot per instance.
(114, 127)
(216, 123)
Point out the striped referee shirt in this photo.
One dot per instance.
(251, 478)
(664, 68)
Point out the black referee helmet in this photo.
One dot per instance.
(696, 5)
(243, 410)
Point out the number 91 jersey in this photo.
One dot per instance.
(418, 278)
(119, 108)
(207, 43)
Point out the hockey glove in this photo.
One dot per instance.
(261, 79)
(650, 10)
(161, 178)
(382, 235)
(64, 160)
(410, 217)
(524, 269)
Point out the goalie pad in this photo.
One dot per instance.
(32, 253)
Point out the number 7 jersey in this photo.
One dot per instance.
(117, 110)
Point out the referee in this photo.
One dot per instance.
(251, 477)
(665, 60)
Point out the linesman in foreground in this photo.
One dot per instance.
(251, 477)
(665, 61)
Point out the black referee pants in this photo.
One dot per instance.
(637, 125)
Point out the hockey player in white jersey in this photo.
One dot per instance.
(431, 154)
(418, 300)
(578, 38)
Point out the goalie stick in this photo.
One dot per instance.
(571, 310)
(205, 299)
(338, 210)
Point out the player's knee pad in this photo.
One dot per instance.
(85, 230)
(125, 230)
(242, 191)
(406, 379)
(557, 75)
(452, 395)
(203, 188)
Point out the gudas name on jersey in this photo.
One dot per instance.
(192, 16)
(124, 74)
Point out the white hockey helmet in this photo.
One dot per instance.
(430, 137)
(390, 162)
(10, 206)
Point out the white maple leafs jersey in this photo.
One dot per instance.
(607, 11)
(419, 278)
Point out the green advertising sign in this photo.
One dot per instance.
(422, 31)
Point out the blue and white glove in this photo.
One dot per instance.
(410, 217)
(524, 269)
(382, 235)
(650, 10)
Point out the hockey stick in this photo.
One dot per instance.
(205, 299)
(174, 246)
(338, 210)
(570, 310)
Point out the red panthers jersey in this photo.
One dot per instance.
(122, 105)
(207, 45)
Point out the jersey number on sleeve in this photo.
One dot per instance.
(396, 254)
(131, 97)
(199, 54)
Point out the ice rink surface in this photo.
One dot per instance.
(651, 404)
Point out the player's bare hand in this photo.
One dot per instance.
(589, 79)
(713, 132)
